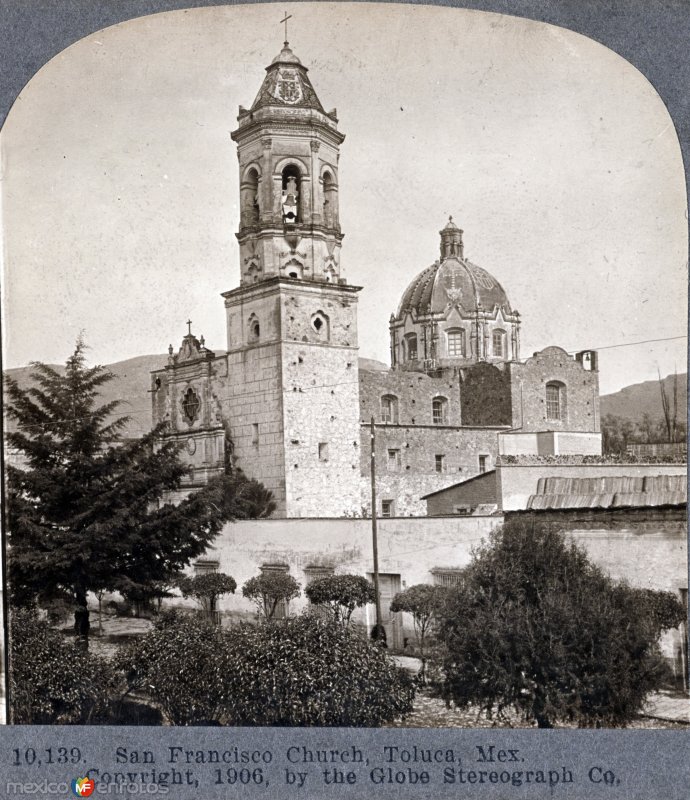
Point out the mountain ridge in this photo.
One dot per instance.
(132, 382)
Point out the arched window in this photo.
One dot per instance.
(254, 328)
(498, 340)
(456, 342)
(411, 346)
(439, 411)
(290, 196)
(389, 409)
(555, 400)
(329, 200)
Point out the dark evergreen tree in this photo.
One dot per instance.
(87, 509)
(537, 626)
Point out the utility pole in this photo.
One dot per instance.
(373, 524)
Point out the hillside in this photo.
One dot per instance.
(132, 384)
(634, 401)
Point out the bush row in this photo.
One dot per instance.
(305, 670)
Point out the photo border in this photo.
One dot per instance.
(651, 36)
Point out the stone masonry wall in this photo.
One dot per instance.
(414, 391)
(321, 430)
(252, 407)
(528, 384)
(415, 475)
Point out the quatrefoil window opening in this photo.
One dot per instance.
(319, 322)
(191, 405)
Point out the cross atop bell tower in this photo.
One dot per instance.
(288, 150)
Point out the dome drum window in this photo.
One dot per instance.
(410, 347)
(456, 342)
(191, 405)
(498, 340)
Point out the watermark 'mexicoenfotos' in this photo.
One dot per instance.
(82, 787)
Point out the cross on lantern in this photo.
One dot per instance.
(189, 327)
(285, 20)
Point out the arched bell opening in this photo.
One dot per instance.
(330, 201)
(249, 192)
(290, 195)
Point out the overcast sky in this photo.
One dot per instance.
(556, 157)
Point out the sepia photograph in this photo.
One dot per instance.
(344, 381)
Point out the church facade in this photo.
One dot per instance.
(287, 401)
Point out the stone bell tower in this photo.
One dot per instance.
(288, 149)
(293, 391)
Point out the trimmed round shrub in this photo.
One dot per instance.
(311, 671)
(341, 594)
(52, 680)
(179, 664)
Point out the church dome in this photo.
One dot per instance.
(454, 281)
(454, 313)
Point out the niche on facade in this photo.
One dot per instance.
(191, 406)
(290, 195)
(249, 198)
(294, 269)
(321, 324)
(253, 272)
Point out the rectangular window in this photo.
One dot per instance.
(438, 411)
(255, 434)
(483, 461)
(440, 462)
(389, 409)
(323, 451)
(315, 573)
(394, 460)
(456, 344)
(411, 343)
(447, 577)
(553, 401)
(386, 508)
(498, 343)
(203, 567)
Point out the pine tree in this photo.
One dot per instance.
(87, 510)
